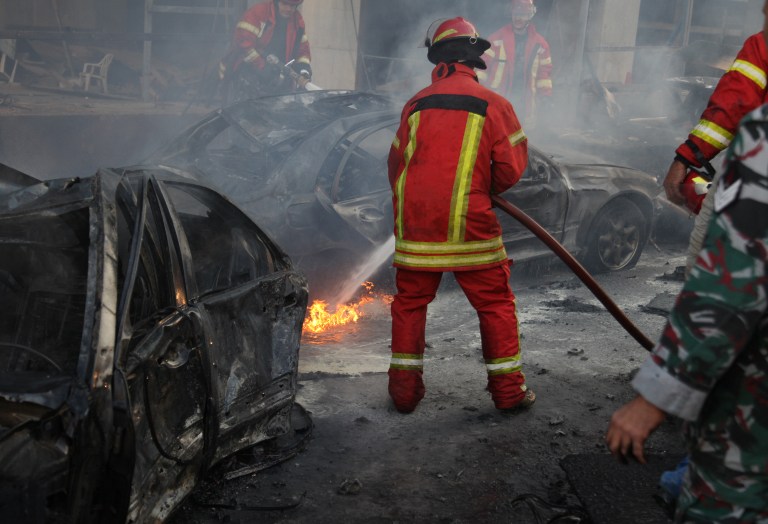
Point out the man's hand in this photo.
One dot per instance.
(630, 426)
(674, 181)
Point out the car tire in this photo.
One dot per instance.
(616, 238)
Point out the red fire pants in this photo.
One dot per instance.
(489, 293)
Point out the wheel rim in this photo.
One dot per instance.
(618, 240)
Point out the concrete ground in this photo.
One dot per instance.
(457, 459)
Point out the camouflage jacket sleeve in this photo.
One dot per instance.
(719, 315)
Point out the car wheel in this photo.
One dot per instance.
(617, 237)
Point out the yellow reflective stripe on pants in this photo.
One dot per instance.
(407, 361)
(501, 366)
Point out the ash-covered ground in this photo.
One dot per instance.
(457, 459)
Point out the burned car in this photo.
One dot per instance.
(149, 330)
(311, 169)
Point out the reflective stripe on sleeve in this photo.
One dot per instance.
(712, 134)
(751, 71)
(517, 138)
(245, 26)
(407, 361)
(252, 56)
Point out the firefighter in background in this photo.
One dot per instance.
(519, 62)
(740, 90)
(458, 143)
(268, 36)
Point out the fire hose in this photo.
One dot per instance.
(575, 266)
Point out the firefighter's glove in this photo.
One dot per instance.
(272, 69)
(303, 69)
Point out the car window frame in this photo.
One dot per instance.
(367, 131)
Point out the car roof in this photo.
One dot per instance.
(272, 119)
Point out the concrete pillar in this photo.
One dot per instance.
(332, 31)
(613, 23)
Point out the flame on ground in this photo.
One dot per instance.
(319, 319)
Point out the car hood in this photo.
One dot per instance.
(583, 171)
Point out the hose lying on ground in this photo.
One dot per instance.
(575, 266)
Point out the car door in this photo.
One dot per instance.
(360, 191)
(253, 306)
(161, 356)
(542, 195)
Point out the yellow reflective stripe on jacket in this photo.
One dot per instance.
(252, 55)
(252, 28)
(545, 61)
(457, 223)
(517, 138)
(544, 83)
(413, 123)
(445, 254)
(447, 248)
(503, 366)
(490, 53)
(396, 142)
(407, 361)
(751, 71)
(499, 75)
(304, 39)
(712, 134)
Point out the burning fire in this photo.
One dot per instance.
(320, 319)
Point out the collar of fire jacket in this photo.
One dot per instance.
(444, 70)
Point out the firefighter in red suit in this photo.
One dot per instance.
(458, 143)
(740, 90)
(520, 63)
(268, 36)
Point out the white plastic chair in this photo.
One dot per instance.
(97, 71)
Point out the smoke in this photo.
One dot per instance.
(630, 98)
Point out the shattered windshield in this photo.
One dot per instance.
(43, 289)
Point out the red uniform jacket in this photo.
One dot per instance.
(458, 143)
(254, 32)
(500, 60)
(740, 90)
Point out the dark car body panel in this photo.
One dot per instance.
(154, 331)
(323, 191)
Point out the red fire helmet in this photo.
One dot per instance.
(694, 189)
(451, 29)
(455, 40)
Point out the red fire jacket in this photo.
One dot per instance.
(458, 143)
(740, 90)
(254, 32)
(500, 60)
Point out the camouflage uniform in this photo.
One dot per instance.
(711, 365)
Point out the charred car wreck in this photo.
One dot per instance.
(311, 169)
(149, 330)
